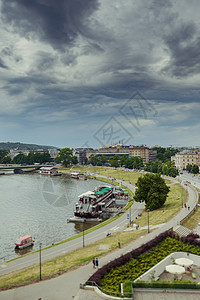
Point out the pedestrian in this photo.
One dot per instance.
(188, 207)
(94, 262)
(185, 205)
(97, 262)
(119, 245)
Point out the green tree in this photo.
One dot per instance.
(151, 189)
(189, 167)
(74, 160)
(20, 159)
(114, 161)
(7, 160)
(65, 156)
(195, 169)
(172, 172)
(94, 160)
(103, 159)
(3, 153)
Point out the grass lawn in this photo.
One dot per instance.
(68, 261)
(129, 176)
(193, 220)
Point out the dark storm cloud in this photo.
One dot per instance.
(58, 22)
(184, 44)
(2, 65)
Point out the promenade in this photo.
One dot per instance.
(67, 286)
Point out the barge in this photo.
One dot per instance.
(93, 206)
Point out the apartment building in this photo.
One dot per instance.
(185, 158)
(147, 154)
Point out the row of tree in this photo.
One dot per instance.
(167, 168)
(29, 159)
(193, 169)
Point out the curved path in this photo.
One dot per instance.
(67, 285)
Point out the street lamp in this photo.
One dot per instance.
(83, 233)
(40, 262)
(148, 219)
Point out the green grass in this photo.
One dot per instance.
(192, 221)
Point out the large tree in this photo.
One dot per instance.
(65, 156)
(151, 189)
(3, 153)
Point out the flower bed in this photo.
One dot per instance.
(133, 264)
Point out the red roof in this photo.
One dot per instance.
(25, 237)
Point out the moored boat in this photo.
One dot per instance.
(24, 242)
(51, 171)
(77, 175)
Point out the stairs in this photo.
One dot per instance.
(182, 230)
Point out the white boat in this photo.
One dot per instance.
(79, 176)
(24, 242)
(51, 171)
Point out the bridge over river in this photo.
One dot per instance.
(17, 168)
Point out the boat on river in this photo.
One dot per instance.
(51, 171)
(77, 175)
(93, 205)
(24, 242)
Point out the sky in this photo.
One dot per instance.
(93, 73)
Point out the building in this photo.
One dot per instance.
(186, 157)
(83, 154)
(110, 151)
(147, 154)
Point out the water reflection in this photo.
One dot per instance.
(26, 250)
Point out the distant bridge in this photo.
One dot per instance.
(19, 167)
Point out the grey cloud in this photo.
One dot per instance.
(58, 22)
(184, 44)
(2, 65)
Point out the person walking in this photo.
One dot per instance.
(97, 262)
(94, 263)
(119, 245)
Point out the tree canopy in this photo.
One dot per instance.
(3, 153)
(65, 156)
(151, 189)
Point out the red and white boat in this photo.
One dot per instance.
(24, 242)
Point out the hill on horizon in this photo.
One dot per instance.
(22, 146)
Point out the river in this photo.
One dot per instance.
(38, 205)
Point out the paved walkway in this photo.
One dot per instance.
(66, 287)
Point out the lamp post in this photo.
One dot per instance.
(40, 262)
(83, 233)
(148, 219)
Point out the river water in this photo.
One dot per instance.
(37, 205)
